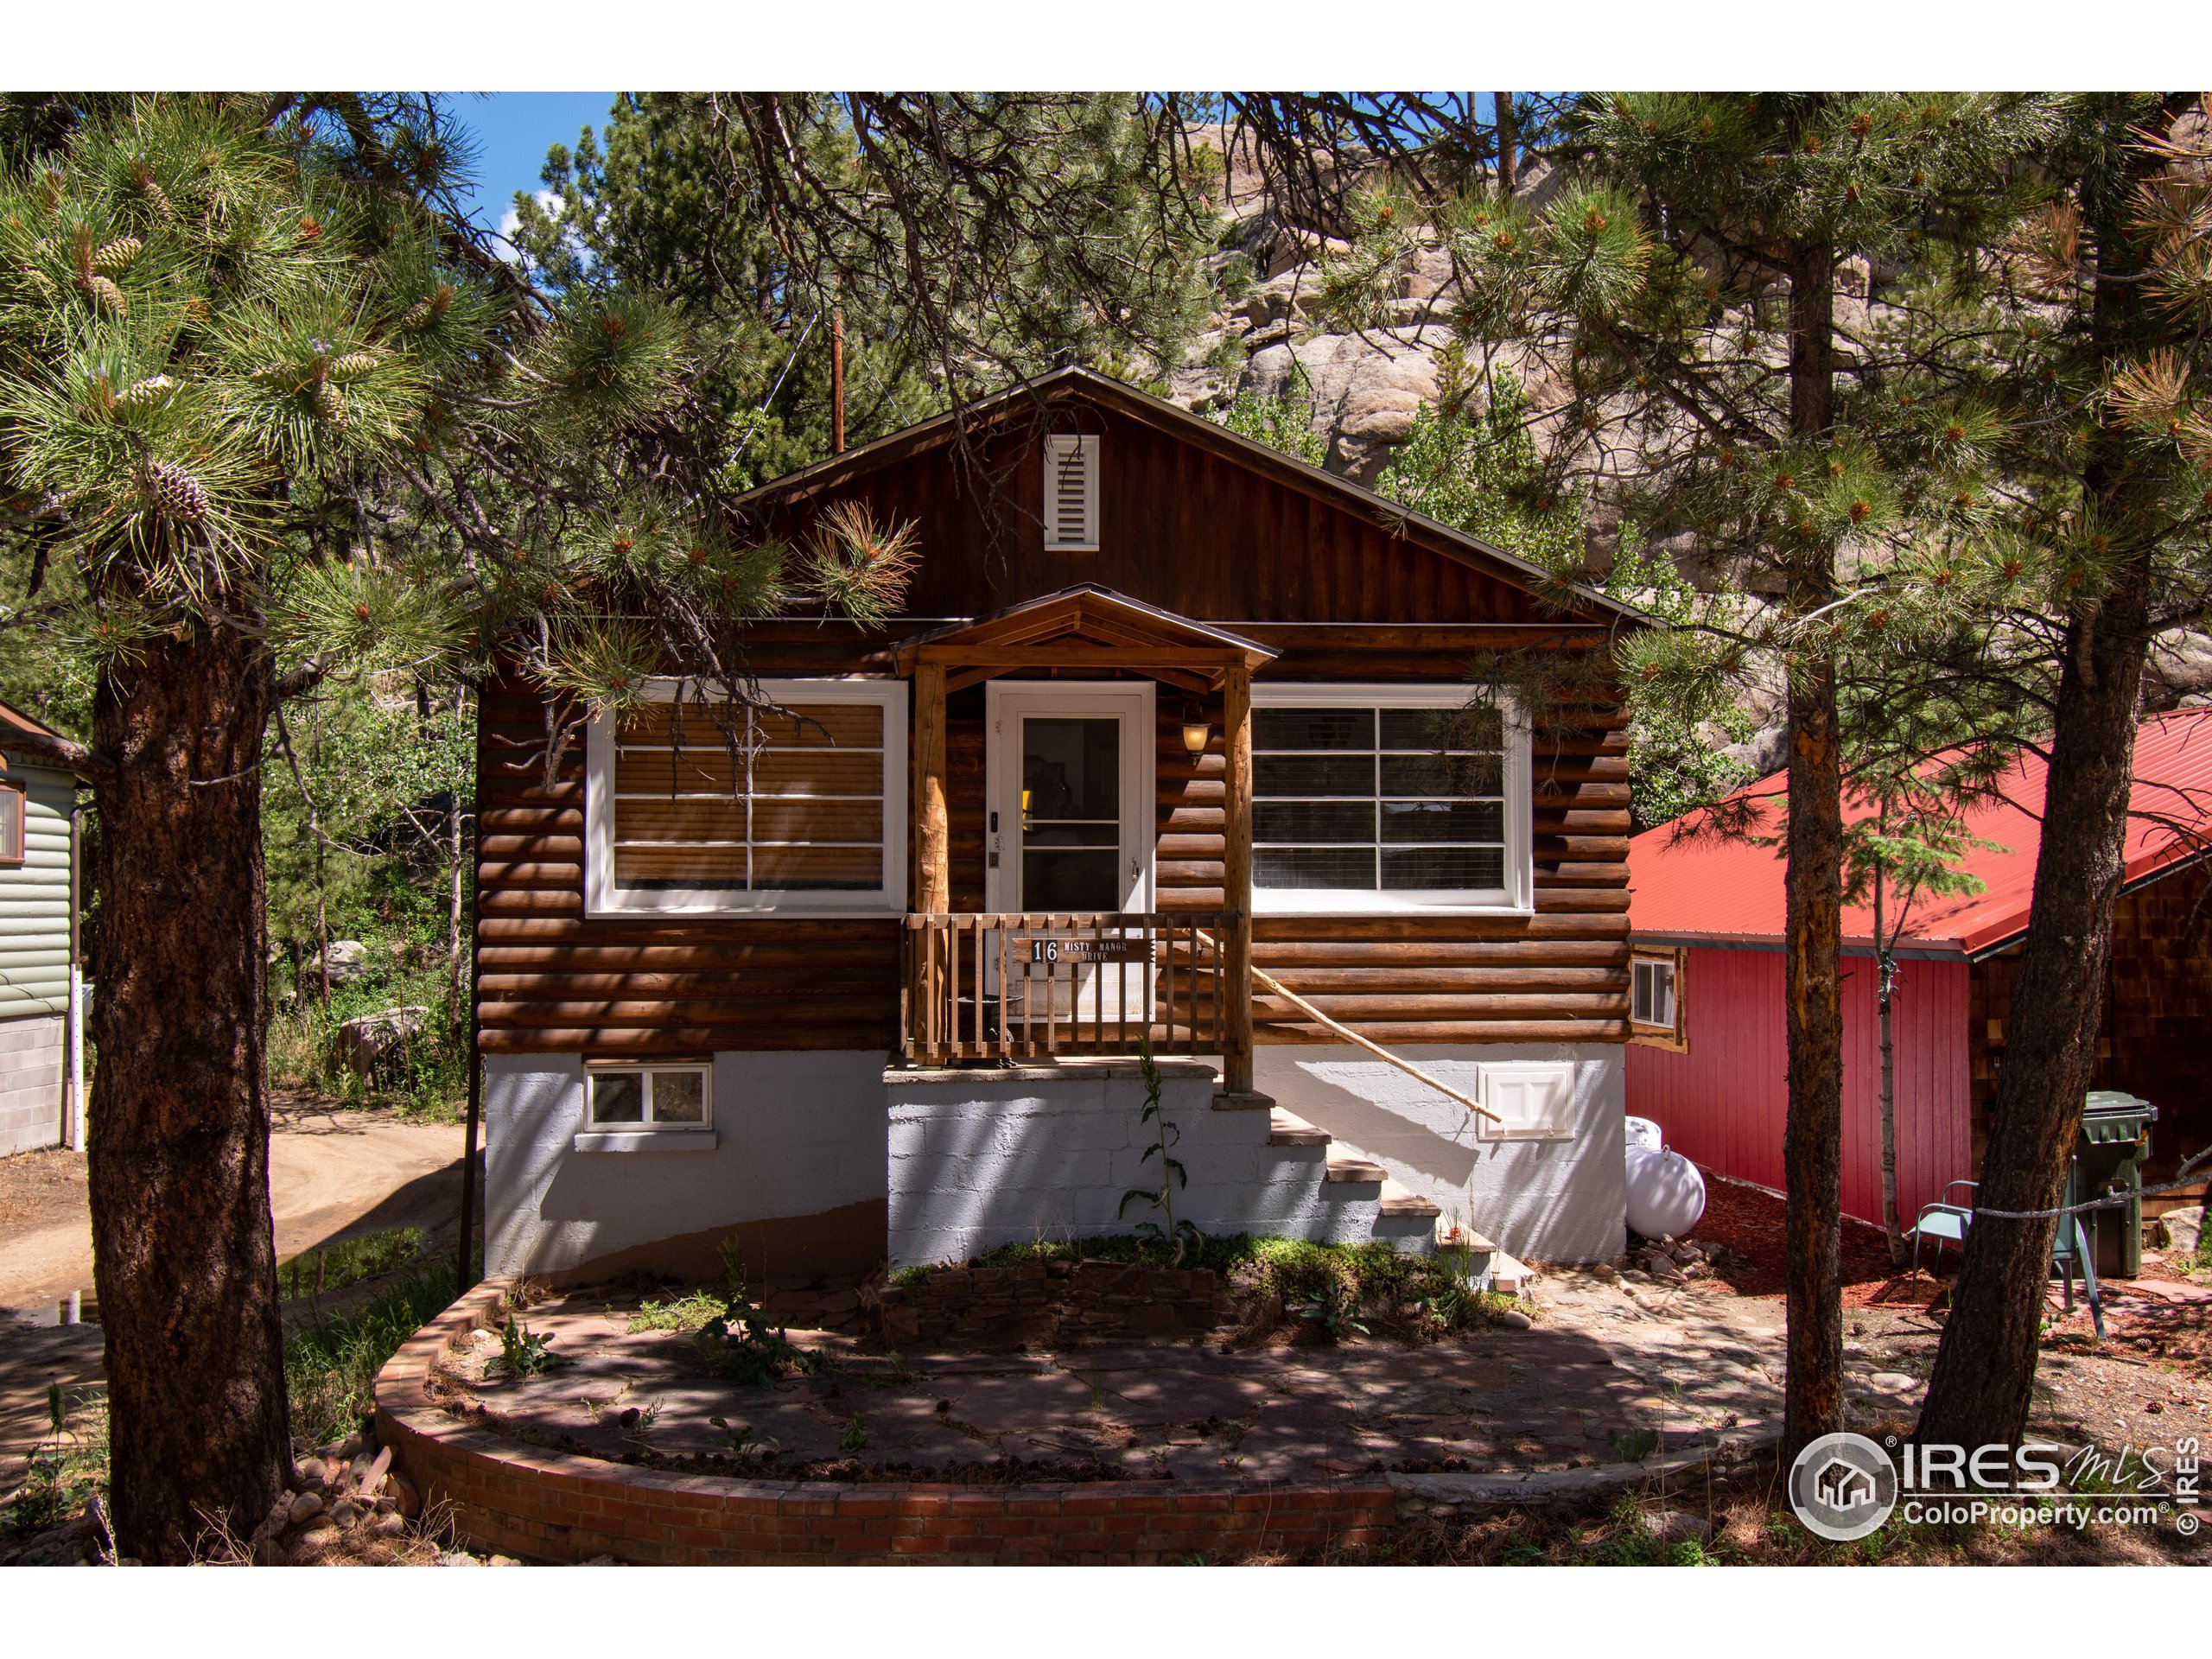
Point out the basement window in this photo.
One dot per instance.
(797, 808)
(632, 1098)
(1388, 798)
(1654, 999)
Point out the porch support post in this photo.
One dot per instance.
(932, 819)
(1236, 879)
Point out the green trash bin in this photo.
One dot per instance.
(2110, 1152)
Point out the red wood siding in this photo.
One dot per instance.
(1722, 1103)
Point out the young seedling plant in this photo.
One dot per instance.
(1177, 1235)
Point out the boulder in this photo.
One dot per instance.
(349, 959)
(2182, 1230)
(1678, 1526)
(375, 1044)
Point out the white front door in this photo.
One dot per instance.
(1069, 796)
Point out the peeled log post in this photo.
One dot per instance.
(1236, 881)
(932, 821)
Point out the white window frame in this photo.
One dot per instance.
(649, 1070)
(603, 897)
(1057, 445)
(1516, 898)
(1673, 1033)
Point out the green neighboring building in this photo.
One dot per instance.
(39, 828)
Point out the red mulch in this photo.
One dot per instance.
(1750, 1223)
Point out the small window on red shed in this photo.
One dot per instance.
(11, 823)
(1654, 999)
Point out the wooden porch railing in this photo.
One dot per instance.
(1031, 986)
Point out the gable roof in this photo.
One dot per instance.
(1720, 892)
(1074, 383)
(1094, 615)
(14, 723)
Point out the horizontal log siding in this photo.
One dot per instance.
(1341, 598)
(553, 980)
(1558, 976)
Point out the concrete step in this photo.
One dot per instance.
(1396, 1201)
(1287, 1129)
(1508, 1276)
(1244, 1100)
(1347, 1172)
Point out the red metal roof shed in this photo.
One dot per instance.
(1716, 892)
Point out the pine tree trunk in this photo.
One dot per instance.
(1886, 977)
(1812, 1141)
(1985, 1366)
(1509, 147)
(184, 1256)
(1979, 1393)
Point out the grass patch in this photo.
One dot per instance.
(65, 1470)
(689, 1312)
(348, 1262)
(331, 1365)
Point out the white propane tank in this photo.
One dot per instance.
(1643, 1132)
(1666, 1195)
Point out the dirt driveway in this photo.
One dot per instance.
(331, 1170)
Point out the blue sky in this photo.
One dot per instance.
(513, 131)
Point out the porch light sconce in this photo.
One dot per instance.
(1196, 731)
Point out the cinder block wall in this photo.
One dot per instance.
(1563, 1200)
(979, 1160)
(793, 1168)
(30, 1083)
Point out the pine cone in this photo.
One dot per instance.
(115, 259)
(330, 403)
(41, 284)
(173, 493)
(106, 296)
(145, 394)
(151, 188)
(424, 312)
(353, 365)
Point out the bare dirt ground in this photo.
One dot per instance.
(333, 1170)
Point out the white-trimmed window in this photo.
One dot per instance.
(1655, 998)
(800, 809)
(14, 802)
(1071, 507)
(1388, 798)
(632, 1099)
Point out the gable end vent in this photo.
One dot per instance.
(1071, 493)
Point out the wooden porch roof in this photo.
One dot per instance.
(1085, 626)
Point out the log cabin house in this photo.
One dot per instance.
(1707, 1062)
(1165, 709)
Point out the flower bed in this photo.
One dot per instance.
(557, 1506)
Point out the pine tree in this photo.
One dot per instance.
(1678, 296)
(266, 419)
(2098, 364)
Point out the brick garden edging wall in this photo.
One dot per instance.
(1048, 1302)
(531, 1502)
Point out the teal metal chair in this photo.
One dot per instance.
(1944, 1221)
(2069, 1248)
(1947, 1222)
